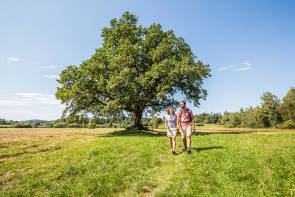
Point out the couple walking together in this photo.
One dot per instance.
(183, 122)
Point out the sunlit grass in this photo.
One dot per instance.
(77, 162)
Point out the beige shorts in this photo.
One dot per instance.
(171, 132)
(186, 131)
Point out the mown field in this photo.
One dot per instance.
(115, 162)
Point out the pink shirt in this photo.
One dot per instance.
(185, 117)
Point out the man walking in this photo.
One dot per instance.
(185, 121)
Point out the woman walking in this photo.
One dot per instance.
(171, 126)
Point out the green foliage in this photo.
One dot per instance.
(2, 121)
(288, 105)
(234, 120)
(35, 124)
(260, 119)
(248, 118)
(225, 118)
(22, 125)
(289, 124)
(73, 125)
(60, 125)
(36, 121)
(268, 115)
(154, 122)
(91, 124)
(7, 122)
(136, 69)
(270, 107)
(107, 125)
(124, 123)
(47, 125)
(207, 118)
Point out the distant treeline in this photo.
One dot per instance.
(7, 122)
(272, 113)
(81, 121)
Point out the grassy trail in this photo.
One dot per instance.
(101, 162)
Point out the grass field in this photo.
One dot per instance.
(114, 162)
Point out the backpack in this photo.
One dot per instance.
(187, 110)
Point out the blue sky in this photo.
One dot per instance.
(250, 46)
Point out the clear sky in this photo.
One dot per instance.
(250, 46)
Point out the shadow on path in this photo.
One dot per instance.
(206, 148)
(200, 149)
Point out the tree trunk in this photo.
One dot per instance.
(136, 118)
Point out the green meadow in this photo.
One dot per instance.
(116, 162)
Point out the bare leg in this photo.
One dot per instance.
(184, 142)
(184, 137)
(174, 143)
(188, 140)
(170, 142)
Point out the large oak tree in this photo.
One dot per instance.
(136, 68)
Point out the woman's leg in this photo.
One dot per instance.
(170, 143)
(174, 143)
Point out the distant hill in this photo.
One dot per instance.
(36, 121)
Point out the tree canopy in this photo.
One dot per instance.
(136, 68)
(288, 106)
(270, 107)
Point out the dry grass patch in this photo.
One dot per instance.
(24, 142)
(8, 135)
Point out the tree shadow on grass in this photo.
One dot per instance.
(134, 132)
(152, 133)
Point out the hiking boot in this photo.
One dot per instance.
(188, 151)
(173, 152)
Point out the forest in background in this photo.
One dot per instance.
(272, 113)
